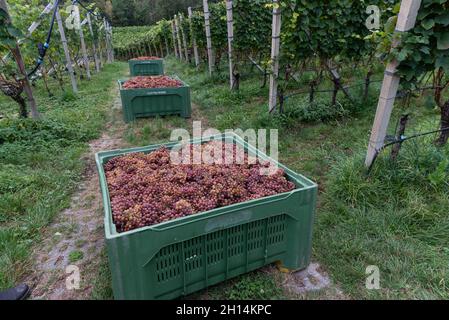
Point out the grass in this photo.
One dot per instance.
(40, 163)
(254, 286)
(75, 256)
(396, 219)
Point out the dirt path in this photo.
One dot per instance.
(76, 237)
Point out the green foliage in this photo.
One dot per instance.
(252, 26)
(426, 47)
(319, 110)
(124, 12)
(23, 14)
(198, 28)
(129, 37)
(9, 34)
(327, 29)
(76, 256)
(395, 218)
(422, 165)
(131, 42)
(440, 177)
(29, 131)
(254, 286)
(218, 26)
(147, 12)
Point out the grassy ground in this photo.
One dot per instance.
(40, 163)
(396, 218)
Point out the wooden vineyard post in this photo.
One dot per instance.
(406, 21)
(210, 55)
(94, 43)
(178, 38)
(155, 50)
(84, 51)
(167, 50)
(66, 52)
(112, 44)
(21, 65)
(195, 46)
(184, 38)
(100, 49)
(275, 45)
(173, 27)
(230, 23)
(106, 33)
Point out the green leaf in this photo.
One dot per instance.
(425, 50)
(442, 62)
(428, 24)
(3, 14)
(391, 24)
(443, 41)
(9, 42)
(443, 19)
(13, 31)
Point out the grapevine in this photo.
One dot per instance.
(146, 58)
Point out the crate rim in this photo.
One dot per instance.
(111, 232)
(122, 81)
(135, 60)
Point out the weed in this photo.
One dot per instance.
(75, 256)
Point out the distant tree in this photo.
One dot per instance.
(143, 12)
(123, 13)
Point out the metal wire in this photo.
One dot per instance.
(46, 45)
(401, 140)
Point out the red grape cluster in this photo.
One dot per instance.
(146, 58)
(150, 82)
(147, 189)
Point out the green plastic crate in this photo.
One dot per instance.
(141, 103)
(146, 67)
(182, 256)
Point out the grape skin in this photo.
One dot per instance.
(152, 82)
(147, 189)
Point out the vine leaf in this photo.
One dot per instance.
(443, 41)
(13, 31)
(443, 19)
(428, 24)
(442, 62)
